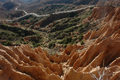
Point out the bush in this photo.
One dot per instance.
(36, 45)
(91, 7)
(80, 37)
(65, 45)
(75, 20)
(81, 29)
(69, 30)
(82, 42)
(10, 37)
(60, 37)
(72, 14)
(74, 41)
(8, 43)
(51, 44)
(67, 40)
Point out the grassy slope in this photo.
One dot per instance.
(59, 32)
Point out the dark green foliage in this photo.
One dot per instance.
(26, 17)
(36, 44)
(10, 37)
(23, 22)
(75, 20)
(19, 32)
(69, 30)
(16, 14)
(74, 40)
(72, 14)
(8, 43)
(66, 21)
(66, 40)
(83, 28)
(60, 37)
(6, 35)
(9, 5)
(91, 7)
(80, 37)
(36, 39)
(51, 44)
(16, 30)
(62, 26)
(65, 45)
(82, 42)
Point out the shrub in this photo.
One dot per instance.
(8, 43)
(60, 37)
(36, 45)
(80, 37)
(81, 29)
(69, 30)
(91, 7)
(10, 37)
(72, 14)
(73, 40)
(51, 44)
(67, 40)
(65, 45)
(82, 42)
(19, 32)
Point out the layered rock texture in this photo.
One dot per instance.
(97, 59)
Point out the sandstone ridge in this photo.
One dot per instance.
(98, 60)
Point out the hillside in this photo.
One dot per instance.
(3, 0)
(56, 28)
(97, 59)
(7, 10)
(48, 6)
(51, 6)
(9, 5)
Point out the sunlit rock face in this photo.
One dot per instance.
(24, 63)
(100, 59)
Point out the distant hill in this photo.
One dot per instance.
(3, 0)
(75, 2)
(9, 5)
(113, 2)
(24, 1)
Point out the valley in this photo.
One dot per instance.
(52, 30)
(60, 40)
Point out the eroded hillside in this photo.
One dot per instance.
(97, 59)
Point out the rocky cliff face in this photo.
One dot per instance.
(100, 59)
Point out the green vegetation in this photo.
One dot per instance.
(53, 31)
(82, 42)
(8, 43)
(54, 8)
(52, 44)
(17, 30)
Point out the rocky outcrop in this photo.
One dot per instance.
(98, 60)
(100, 12)
(24, 63)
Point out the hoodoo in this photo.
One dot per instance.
(99, 60)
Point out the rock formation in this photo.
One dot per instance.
(98, 60)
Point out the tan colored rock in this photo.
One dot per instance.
(101, 58)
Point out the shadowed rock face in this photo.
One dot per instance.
(101, 58)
